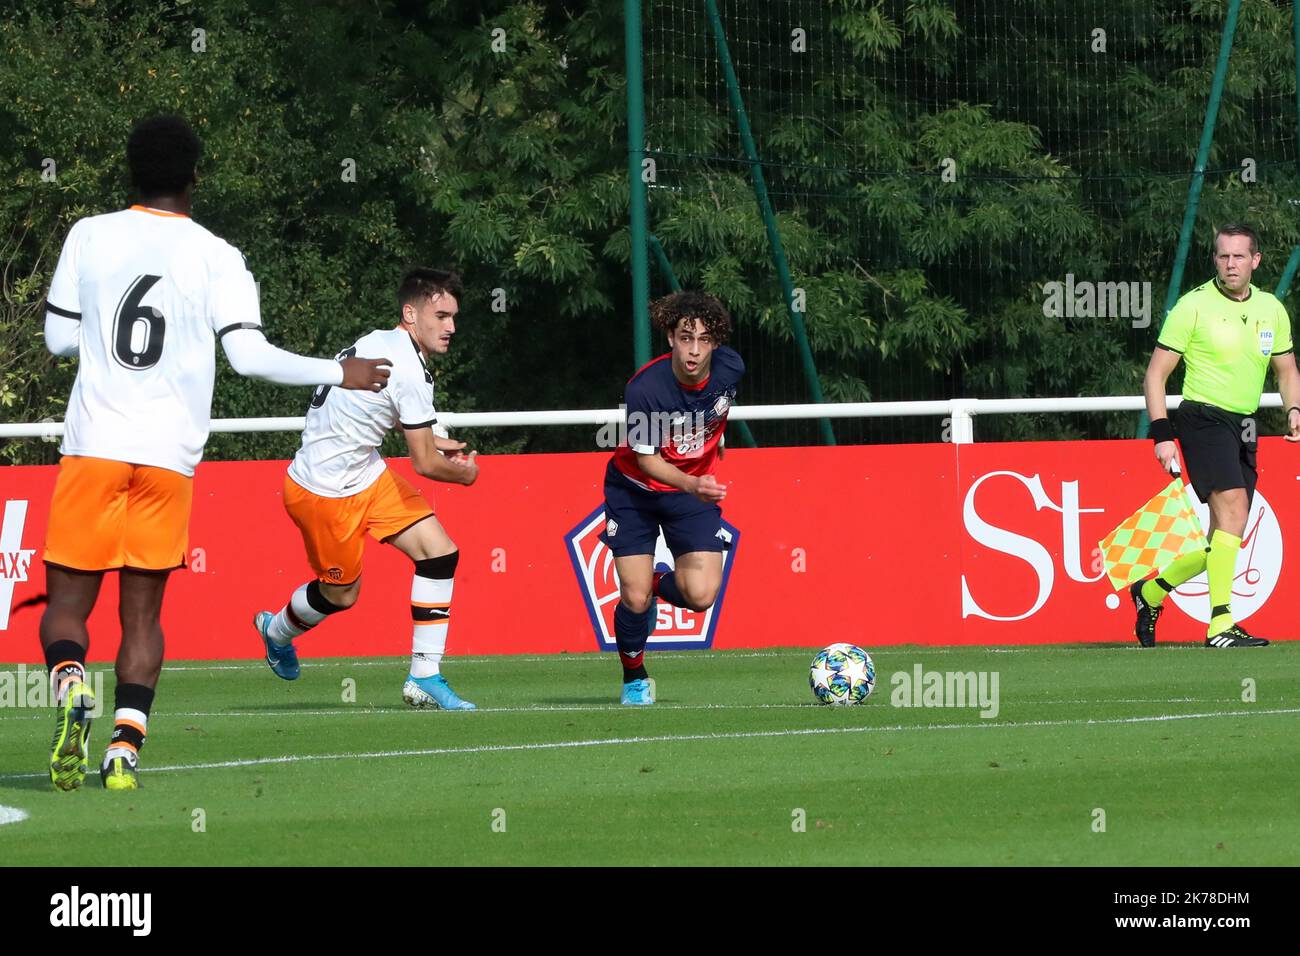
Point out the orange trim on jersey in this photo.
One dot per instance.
(123, 722)
(159, 212)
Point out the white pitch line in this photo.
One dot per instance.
(425, 714)
(682, 738)
(614, 708)
(619, 708)
(13, 814)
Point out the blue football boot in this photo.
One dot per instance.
(639, 693)
(283, 660)
(433, 692)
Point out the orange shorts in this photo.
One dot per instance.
(113, 514)
(332, 527)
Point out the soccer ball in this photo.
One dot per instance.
(842, 674)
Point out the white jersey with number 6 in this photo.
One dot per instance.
(340, 456)
(153, 292)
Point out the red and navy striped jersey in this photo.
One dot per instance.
(683, 423)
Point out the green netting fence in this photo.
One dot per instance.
(976, 199)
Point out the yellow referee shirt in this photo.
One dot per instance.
(1226, 344)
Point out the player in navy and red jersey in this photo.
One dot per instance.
(662, 476)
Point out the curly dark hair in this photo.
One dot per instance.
(162, 153)
(699, 307)
(420, 284)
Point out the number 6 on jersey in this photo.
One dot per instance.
(138, 330)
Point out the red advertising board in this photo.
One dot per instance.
(931, 544)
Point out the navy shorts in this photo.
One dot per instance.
(633, 517)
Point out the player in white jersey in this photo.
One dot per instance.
(338, 489)
(141, 296)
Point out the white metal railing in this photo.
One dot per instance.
(961, 411)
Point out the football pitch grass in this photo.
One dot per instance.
(722, 770)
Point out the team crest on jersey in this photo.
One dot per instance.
(721, 405)
(593, 564)
(1266, 342)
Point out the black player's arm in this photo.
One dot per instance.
(430, 462)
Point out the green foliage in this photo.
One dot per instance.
(933, 165)
(507, 165)
(489, 136)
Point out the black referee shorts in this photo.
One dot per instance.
(1215, 449)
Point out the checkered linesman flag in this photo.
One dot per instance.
(1164, 528)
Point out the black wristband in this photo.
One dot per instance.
(1160, 430)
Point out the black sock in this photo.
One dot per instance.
(131, 706)
(62, 659)
(633, 667)
(61, 652)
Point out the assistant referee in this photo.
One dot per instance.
(1229, 332)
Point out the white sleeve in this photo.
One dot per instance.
(62, 335)
(232, 296)
(252, 355)
(413, 395)
(63, 303)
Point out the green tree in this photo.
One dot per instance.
(500, 161)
